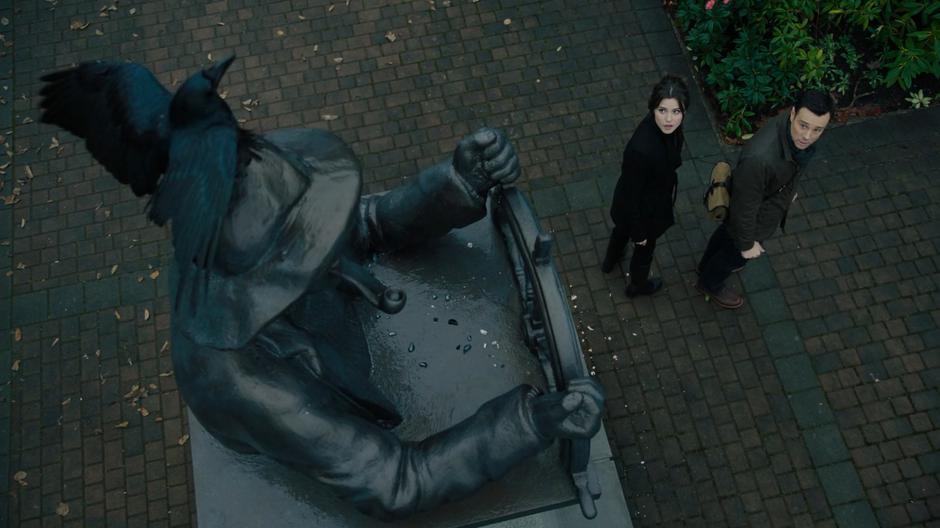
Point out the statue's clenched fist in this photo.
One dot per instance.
(574, 413)
(486, 158)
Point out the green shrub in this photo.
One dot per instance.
(754, 54)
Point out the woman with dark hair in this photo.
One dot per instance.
(642, 207)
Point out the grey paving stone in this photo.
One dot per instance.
(66, 300)
(102, 293)
(663, 43)
(759, 276)
(825, 445)
(583, 195)
(811, 409)
(783, 339)
(796, 373)
(136, 288)
(855, 515)
(29, 308)
(549, 202)
(841, 483)
(769, 306)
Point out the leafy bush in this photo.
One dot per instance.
(755, 54)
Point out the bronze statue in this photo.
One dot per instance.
(270, 233)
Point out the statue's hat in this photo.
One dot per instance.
(290, 214)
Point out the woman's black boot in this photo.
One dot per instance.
(652, 285)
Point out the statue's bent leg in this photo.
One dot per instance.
(296, 418)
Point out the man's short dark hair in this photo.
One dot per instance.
(817, 102)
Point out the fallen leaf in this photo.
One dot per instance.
(20, 478)
(121, 425)
(78, 25)
(117, 315)
(154, 274)
(329, 117)
(507, 21)
(66, 401)
(331, 8)
(62, 509)
(301, 17)
(99, 32)
(279, 33)
(54, 144)
(144, 412)
(16, 366)
(337, 60)
(132, 10)
(146, 314)
(391, 36)
(152, 386)
(558, 48)
(183, 439)
(22, 223)
(17, 334)
(55, 341)
(220, 23)
(114, 269)
(166, 345)
(5, 21)
(133, 391)
(166, 374)
(27, 120)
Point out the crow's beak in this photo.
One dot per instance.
(215, 73)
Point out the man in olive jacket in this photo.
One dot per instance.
(762, 189)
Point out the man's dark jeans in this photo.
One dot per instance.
(721, 258)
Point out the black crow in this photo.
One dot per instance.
(135, 128)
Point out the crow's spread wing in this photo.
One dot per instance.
(121, 110)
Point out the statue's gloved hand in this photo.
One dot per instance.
(486, 158)
(574, 413)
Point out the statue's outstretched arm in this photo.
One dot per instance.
(445, 196)
(387, 478)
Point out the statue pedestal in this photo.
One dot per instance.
(457, 343)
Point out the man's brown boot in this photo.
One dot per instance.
(725, 297)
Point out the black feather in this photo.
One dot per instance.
(138, 131)
(121, 111)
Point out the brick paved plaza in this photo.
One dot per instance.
(816, 404)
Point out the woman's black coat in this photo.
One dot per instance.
(645, 193)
